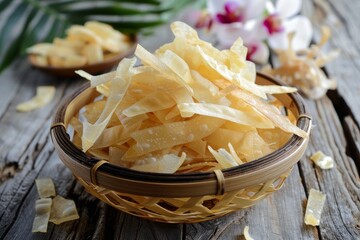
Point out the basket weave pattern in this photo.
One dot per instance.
(189, 209)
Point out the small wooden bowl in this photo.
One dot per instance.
(179, 198)
(109, 62)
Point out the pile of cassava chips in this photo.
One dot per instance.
(189, 107)
(84, 45)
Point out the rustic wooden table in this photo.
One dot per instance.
(26, 153)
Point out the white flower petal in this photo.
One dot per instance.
(254, 9)
(303, 32)
(287, 9)
(227, 34)
(278, 41)
(215, 6)
(261, 55)
(191, 16)
(254, 31)
(270, 8)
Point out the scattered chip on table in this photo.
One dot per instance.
(42, 215)
(44, 95)
(246, 233)
(45, 187)
(322, 160)
(314, 207)
(63, 210)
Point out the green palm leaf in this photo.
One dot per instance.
(26, 22)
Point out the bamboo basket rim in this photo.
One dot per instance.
(113, 177)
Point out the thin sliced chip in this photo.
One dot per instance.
(44, 95)
(91, 132)
(40, 49)
(247, 234)
(75, 44)
(42, 215)
(151, 60)
(172, 134)
(221, 137)
(63, 210)
(198, 146)
(224, 112)
(80, 33)
(104, 30)
(234, 154)
(116, 153)
(153, 102)
(93, 53)
(224, 158)
(277, 89)
(177, 65)
(205, 90)
(168, 163)
(268, 110)
(253, 146)
(314, 207)
(41, 60)
(45, 187)
(97, 80)
(323, 161)
(234, 78)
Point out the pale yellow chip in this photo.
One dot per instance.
(314, 207)
(224, 158)
(247, 234)
(42, 215)
(41, 60)
(45, 187)
(93, 53)
(63, 210)
(80, 33)
(91, 132)
(40, 49)
(322, 161)
(168, 163)
(44, 95)
(227, 113)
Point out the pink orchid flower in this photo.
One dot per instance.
(234, 19)
(282, 20)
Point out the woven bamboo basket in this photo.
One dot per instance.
(179, 198)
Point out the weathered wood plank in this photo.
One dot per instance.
(341, 184)
(353, 135)
(343, 19)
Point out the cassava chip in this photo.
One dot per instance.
(44, 95)
(42, 215)
(168, 163)
(63, 210)
(227, 113)
(247, 234)
(322, 161)
(120, 83)
(83, 45)
(45, 187)
(314, 207)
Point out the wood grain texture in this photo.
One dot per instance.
(24, 139)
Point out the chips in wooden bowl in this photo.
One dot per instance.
(95, 47)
